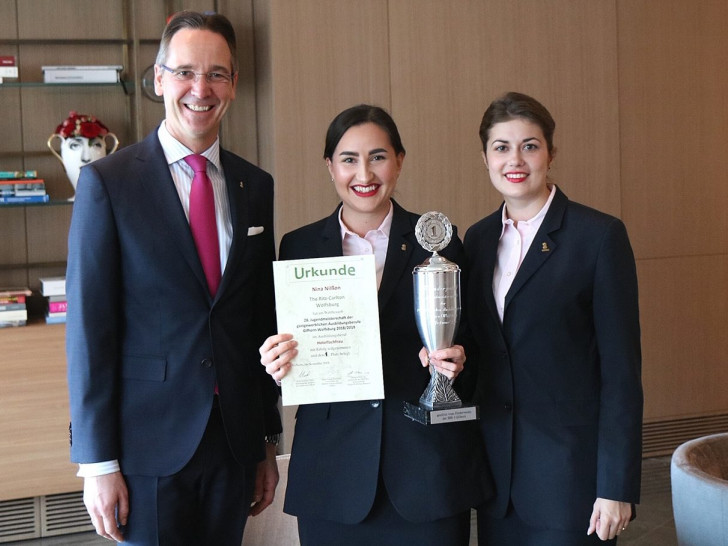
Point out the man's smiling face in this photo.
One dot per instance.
(195, 108)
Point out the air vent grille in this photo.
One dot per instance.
(663, 437)
(19, 519)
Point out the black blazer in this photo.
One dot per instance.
(559, 381)
(145, 341)
(340, 449)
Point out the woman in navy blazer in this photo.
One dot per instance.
(361, 472)
(551, 301)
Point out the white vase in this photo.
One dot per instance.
(77, 151)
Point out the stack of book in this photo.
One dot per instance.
(54, 291)
(22, 187)
(81, 74)
(13, 311)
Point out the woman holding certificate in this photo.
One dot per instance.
(361, 472)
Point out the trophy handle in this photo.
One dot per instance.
(49, 143)
(115, 140)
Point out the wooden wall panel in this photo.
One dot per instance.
(683, 318)
(70, 19)
(674, 119)
(320, 57)
(450, 59)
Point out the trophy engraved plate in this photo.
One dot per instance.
(437, 313)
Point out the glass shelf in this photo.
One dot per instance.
(127, 86)
(51, 203)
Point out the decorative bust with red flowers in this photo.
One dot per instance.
(81, 125)
(83, 140)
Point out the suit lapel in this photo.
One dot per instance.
(399, 253)
(158, 186)
(543, 246)
(237, 194)
(490, 241)
(329, 244)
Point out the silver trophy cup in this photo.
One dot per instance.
(437, 304)
(437, 313)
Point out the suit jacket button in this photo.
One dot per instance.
(207, 363)
(374, 403)
(507, 407)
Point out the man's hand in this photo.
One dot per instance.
(107, 501)
(609, 518)
(266, 480)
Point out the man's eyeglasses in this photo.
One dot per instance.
(184, 75)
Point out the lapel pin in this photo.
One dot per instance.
(241, 185)
(404, 247)
(545, 247)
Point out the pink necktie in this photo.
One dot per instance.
(202, 221)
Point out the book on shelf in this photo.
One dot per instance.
(17, 175)
(14, 199)
(14, 315)
(81, 74)
(12, 323)
(53, 286)
(55, 319)
(15, 292)
(6, 300)
(12, 306)
(23, 188)
(57, 306)
(8, 66)
(21, 183)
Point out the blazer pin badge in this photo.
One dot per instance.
(242, 185)
(545, 247)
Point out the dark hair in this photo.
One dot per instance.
(512, 106)
(357, 115)
(213, 22)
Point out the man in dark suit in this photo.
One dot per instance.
(173, 420)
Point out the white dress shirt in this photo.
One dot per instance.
(374, 242)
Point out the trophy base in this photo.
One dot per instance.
(426, 416)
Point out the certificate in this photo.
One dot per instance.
(330, 306)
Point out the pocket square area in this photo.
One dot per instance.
(255, 230)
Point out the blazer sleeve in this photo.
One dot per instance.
(616, 319)
(92, 343)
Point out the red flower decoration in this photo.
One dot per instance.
(81, 125)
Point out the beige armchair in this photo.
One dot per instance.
(699, 476)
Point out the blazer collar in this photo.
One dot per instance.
(543, 246)
(160, 190)
(401, 245)
(399, 249)
(238, 199)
